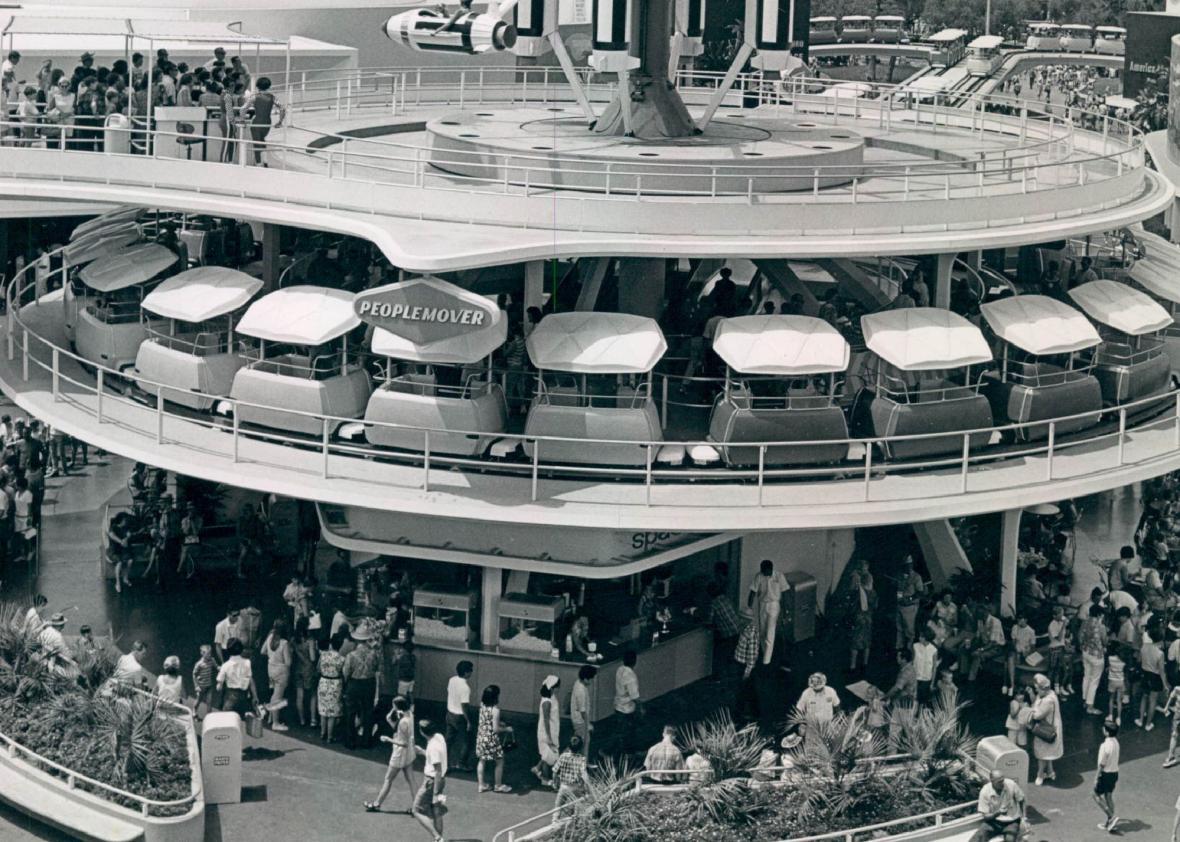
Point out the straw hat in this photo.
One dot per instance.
(57, 620)
(791, 741)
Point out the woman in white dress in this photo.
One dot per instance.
(548, 729)
(401, 759)
(1046, 712)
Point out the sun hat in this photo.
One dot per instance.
(172, 661)
(57, 620)
(791, 741)
(550, 682)
(1041, 680)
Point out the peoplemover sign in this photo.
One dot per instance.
(426, 310)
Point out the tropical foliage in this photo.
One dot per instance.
(844, 775)
(69, 712)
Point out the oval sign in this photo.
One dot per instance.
(425, 310)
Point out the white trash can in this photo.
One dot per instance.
(115, 136)
(221, 757)
(1003, 754)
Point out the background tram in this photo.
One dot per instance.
(947, 47)
(888, 29)
(1110, 40)
(984, 56)
(1043, 36)
(1077, 38)
(856, 29)
(822, 31)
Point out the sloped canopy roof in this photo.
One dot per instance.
(300, 315)
(596, 343)
(1039, 324)
(1121, 307)
(783, 345)
(924, 338)
(1157, 278)
(111, 219)
(100, 243)
(205, 292)
(127, 268)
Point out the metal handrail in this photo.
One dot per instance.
(649, 474)
(74, 778)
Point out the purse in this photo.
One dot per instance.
(1044, 731)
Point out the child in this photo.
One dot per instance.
(948, 692)
(875, 700)
(1116, 683)
(1018, 720)
(204, 675)
(169, 684)
(1058, 628)
(28, 115)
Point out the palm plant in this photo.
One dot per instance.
(609, 812)
(836, 767)
(129, 725)
(936, 742)
(731, 752)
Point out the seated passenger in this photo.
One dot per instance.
(1001, 802)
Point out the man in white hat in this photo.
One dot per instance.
(52, 640)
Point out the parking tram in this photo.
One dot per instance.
(984, 56)
(888, 29)
(947, 47)
(1043, 36)
(1077, 38)
(823, 31)
(856, 29)
(1110, 40)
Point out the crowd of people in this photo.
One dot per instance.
(60, 107)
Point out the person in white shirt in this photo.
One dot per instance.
(129, 669)
(819, 701)
(580, 706)
(236, 678)
(925, 664)
(52, 640)
(1001, 803)
(1108, 775)
(170, 683)
(459, 726)
(431, 797)
(225, 632)
(1023, 642)
(765, 599)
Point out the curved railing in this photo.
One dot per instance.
(863, 466)
(147, 807)
(1048, 155)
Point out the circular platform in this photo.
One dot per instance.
(553, 147)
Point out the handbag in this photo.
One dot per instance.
(254, 726)
(508, 741)
(1044, 731)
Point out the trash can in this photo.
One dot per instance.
(1003, 754)
(115, 135)
(221, 757)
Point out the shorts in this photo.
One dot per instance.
(405, 688)
(424, 800)
(1153, 682)
(1105, 783)
(1113, 687)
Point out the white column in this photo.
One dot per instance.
(942, 279)
(489, 623)
(1173, 219)
(974, 259)
(942, 551)
(534, 287)
(1009, 538)
(271, 268)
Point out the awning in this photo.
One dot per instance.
(432, 321)
(596, 343)
(300, 315)
(100, 243)
(924, 338)
(112, 219)
(1116, 101)
(1039, 324)
(782, 345)
(125, 269)
(202, 293)
(1158, 278)
(1121, 307)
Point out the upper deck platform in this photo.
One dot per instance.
(356, 158)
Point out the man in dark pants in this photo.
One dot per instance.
(360, 689)
(459, 717)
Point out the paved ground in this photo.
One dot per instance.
(297, 787)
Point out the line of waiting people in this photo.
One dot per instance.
(52, 104)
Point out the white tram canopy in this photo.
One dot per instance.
(780, 345)
(1157, 278)
(110, 219)
(127, 268)
(1039, 324)
(1121, 307)
(300, 315)
(100, 243)
(203, 293)
(596, 343)
(924, 339)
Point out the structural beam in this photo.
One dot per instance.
(784, 279)
(941, 548)
(1009, 550)
(856, 282)
(271, 268)
(943, 264)
(489, 623)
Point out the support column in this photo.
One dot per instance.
(641, 286)
(271, 235)
(534, 288)
(941, 548)
(942, 279)
(1172, 217)
(1009, 539)
(974, 259)
(489, 622)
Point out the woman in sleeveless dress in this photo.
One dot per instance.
(401, 759)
